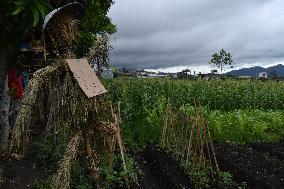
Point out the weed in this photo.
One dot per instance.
(116, 176)
(225, 180)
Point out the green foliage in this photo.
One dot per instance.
(96, 19)
(116, 177)
(49, 149)
(225, 180)
(215, 95)
(241, 112)
(243, 186)
(142, 109)
(83, 43)
(246, 126)
(80, 177)
(31, 12)
(221, 59)
(236, 111)
(200, 177)
(95, 22)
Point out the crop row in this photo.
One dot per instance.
(216, 95)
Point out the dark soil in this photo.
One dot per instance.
(272, 149)
(260, 165)
(18, 174)
(146, 178)
(160, 170)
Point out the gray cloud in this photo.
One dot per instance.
(166, 33)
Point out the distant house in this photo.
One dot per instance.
(244, 77)
(107, 73)
(154, 75)
(210, 76)
(262, 75)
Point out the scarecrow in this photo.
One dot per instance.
(67, 96)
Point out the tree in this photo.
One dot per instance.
(222, 59)
(95, 22)
(99, 53)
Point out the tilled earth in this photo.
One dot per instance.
(18, 174)
(160, 171)
(260, 165)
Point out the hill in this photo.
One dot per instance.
(253, 71)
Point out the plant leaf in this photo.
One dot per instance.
(35, 16)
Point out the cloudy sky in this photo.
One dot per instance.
(175, 34)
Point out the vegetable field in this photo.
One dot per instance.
(186, 117)
(237, 111)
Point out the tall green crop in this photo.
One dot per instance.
(237, 106)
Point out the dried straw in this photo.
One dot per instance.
(55, 97)
(62, 178)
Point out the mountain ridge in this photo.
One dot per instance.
(253, 71)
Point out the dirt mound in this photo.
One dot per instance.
(166, 170)
(260, 165)
(272, 149)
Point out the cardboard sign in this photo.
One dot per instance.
(86, 77)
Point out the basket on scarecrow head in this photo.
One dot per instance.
(61, 27)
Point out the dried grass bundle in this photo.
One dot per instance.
(62, 32)
(66, 105)
(55, 98)
(21, 130)
(61, 180)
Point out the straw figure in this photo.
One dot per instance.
(56, 102)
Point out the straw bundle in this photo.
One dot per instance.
(62, 32)
(55, 99)
(62, 179)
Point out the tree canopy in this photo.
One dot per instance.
(222, 59)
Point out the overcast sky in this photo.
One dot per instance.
(177, 34)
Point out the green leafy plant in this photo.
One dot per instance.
(48, 150)
(33, 11)
(199, 177)
(80, 179)
(116, 176)
(225, 180)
